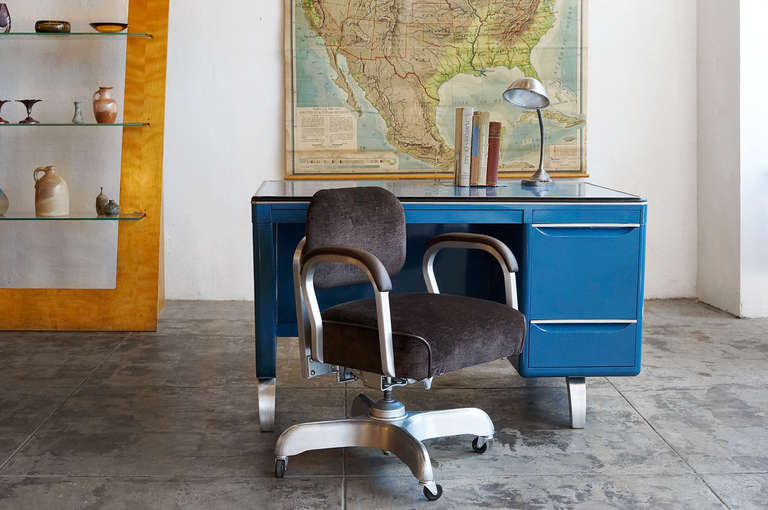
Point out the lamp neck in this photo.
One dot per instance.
(541, 131)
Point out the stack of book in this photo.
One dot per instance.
(478, 148)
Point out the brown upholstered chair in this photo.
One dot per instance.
(357, 235)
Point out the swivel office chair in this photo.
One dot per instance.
(357, 235)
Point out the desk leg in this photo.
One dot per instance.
(577, 398)
(267, 404)
(266, 316)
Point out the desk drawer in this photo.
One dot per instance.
(584, 272)
(465, 215)
(582, 345)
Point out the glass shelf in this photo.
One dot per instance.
(140, 35)
(88, 216)
(69, 124)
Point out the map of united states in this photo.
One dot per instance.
(400, 53)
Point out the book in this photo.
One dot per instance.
(482, 143)
(474, 165)
(465, 149)
(494, 153)
(457, 147)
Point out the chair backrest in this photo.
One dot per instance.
(368, 218)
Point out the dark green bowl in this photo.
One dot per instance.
(52, 27)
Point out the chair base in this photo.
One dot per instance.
(387, 426)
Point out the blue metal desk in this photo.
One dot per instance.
(580, 247)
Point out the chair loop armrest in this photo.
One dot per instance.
(366, 261)
(498, 249)
(467, 240)
(380, 281)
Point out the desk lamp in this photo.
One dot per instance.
(530, 94)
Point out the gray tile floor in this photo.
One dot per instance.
(169, 420)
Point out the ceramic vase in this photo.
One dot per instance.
(101, 202)
(104, 107)
(51, 193)
(5, 19)
(3, 203)
(78, 117)
(111, 209)
(29, 103)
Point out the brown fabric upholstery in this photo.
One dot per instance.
(367, 218)
(433, 334)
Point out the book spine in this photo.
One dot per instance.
(474, 166)
(494, 153)
(457, 147)
(485, 119)
(466, 145)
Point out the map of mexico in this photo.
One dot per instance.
(401, 67)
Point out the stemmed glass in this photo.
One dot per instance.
(29, 103)
(2, 103)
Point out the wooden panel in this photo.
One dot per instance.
(133, 305)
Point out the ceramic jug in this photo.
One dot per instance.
(104, 107)
(51, 193)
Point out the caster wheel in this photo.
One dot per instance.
(279, 468)
(479, 449)
(433, 497)
(386, 452)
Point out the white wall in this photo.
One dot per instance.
(718, 154)
(641, 120)
(222, 139)
(754, 159)
(733, 156)
(225, 111)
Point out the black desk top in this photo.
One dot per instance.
(429, 191)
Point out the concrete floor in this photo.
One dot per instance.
(169, 420)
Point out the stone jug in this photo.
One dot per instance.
(104, 107)
(51, 193)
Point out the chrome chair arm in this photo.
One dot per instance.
(469, 241)
(380, 281)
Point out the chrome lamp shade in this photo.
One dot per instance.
(530, 94)
(527, 93)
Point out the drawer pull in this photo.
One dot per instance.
(586, 225)
(585, 321)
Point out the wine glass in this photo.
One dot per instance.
(29, 103)
(2, 103)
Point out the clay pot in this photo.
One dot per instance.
(104, 107)
(51, 193)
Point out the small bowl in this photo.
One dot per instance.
(109, 27)
(52, 27)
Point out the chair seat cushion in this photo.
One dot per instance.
(432, 334)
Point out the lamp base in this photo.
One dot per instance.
(540, 178)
